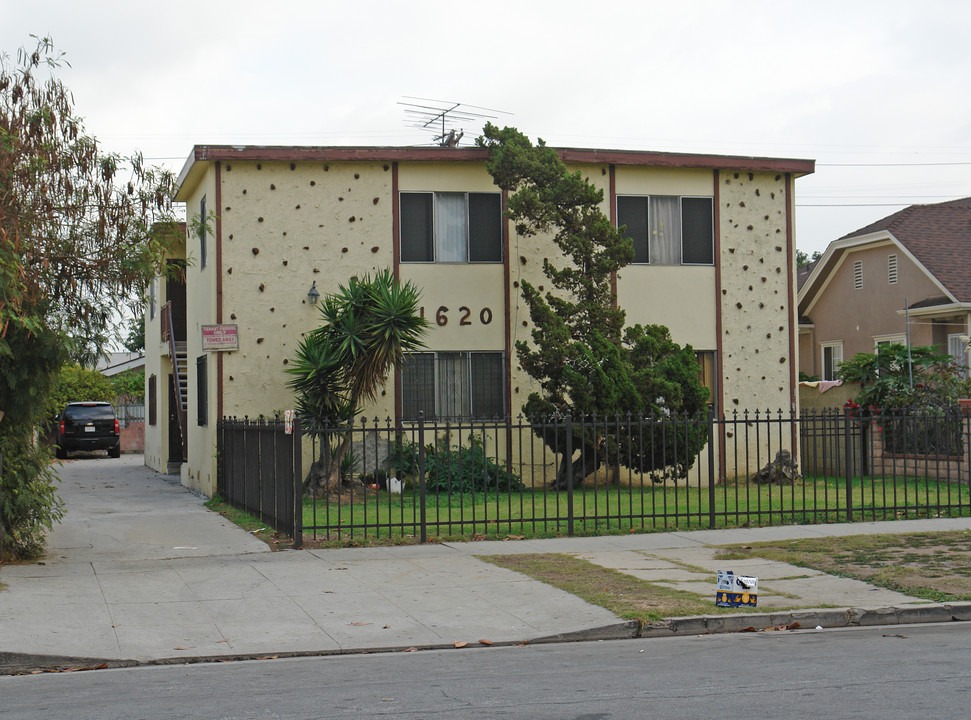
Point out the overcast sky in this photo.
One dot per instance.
(875, 92)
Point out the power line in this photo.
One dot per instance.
(898, 204)
(905, 164)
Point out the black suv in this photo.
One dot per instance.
(88, 426)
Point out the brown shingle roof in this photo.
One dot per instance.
(939, 236)
(803, 272)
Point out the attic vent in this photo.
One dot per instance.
(858, 275)
(892, 269)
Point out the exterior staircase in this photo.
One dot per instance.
(180, 366)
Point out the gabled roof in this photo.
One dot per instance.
(939, 236)
(936, 236)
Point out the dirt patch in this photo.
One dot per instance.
(624, 595)
(934, 566)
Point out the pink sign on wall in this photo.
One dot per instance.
(219, 337)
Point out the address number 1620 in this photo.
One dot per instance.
(465, 315)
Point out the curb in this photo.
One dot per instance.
(809, 619)
(12, 663)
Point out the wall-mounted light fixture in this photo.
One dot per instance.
(312, 294)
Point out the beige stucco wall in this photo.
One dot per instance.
(159, 364)
(756, 306)
(293, 225)
(468, 299)
(153, 366)
(681, 298)
(199, 473)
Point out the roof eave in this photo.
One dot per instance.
(210, 153)
(934, 310)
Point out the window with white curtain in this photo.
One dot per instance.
(453, 385)
(450, 227)
(668, 229)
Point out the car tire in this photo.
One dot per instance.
(115, 452)
(61, 453)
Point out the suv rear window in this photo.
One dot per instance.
(89, 412)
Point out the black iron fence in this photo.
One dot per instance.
(565, 476)
(259, 470)
(128, 414)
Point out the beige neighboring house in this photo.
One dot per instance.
(714, 262)
(913, 265)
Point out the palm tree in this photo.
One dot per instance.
(368, 326)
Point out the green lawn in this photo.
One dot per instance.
(360, 516)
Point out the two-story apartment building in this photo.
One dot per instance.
(714, 262)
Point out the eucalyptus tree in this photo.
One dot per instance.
(76, 242)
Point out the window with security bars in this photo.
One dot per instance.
(668, 229)
(453, 385)
(450, 227)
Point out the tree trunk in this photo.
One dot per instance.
(583, 465)
(324, 474)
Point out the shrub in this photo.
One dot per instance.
(449, 469)
(914, 394)
(75, 383)
(28, 502)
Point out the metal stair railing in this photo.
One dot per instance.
(179, 358)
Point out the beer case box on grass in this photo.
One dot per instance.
(733, 590)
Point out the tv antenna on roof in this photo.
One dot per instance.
(441, 117)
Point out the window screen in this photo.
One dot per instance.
(697, 239)
(416, 228)
(418, 385)
(485, 227)
(632, 212)
(488, 388)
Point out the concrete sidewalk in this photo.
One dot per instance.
(141, 571)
